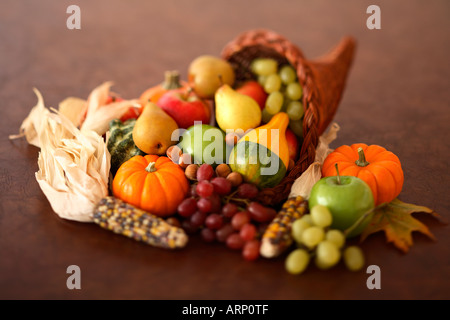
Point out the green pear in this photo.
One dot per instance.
(236, 111)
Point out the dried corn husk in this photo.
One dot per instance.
(31, 126)
(303, 184)
(73, 164)
(99, 114)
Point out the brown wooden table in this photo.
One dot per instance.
(397, 96)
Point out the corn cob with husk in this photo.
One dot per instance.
(277, 237)
(122, 218)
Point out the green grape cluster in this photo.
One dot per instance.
(284, 91)
(316, 240)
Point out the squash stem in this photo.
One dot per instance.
(361, 162)
(151, 167)
(172, 80)
(338, 176)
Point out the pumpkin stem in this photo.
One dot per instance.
(338, 177)
(361, 162)
(151, 167)
(172, 80)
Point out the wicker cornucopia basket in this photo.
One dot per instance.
(323, 81)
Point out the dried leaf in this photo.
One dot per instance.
(397, 222)
(303, 184)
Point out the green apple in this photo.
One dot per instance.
(205, 143)
(348, 198)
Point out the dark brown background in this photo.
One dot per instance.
(397, 96)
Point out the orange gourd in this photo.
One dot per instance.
(152, 183)
(171, 82)
(379, 168)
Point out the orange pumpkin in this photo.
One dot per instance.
(152, 183)
(171, 82)
(379, 168)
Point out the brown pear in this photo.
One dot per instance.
(154, 130)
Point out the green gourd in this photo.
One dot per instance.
(120, 143)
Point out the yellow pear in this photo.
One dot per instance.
(235, 111)
(153, 130)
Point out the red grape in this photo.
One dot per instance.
(222, 186)
(204, 205)
(216, 203)
(247, 191)
(223, 233)
(198, 219)
(192, 191)
(239, 219)
(187, 226)
(208, 235)
(234, 241)
(229, 210)
(214, 221)
(205, 172)
(260, 213)
(250, 251)
(248, 232)
(204, 188)
(187, 207)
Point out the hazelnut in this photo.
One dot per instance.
(185, 160)
(174, 153)
(191, 171)
(235, 178)
(223, 170)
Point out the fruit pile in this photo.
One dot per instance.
(192, 156)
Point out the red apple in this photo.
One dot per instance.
(254, 90)
(293, 145)
(185, 107)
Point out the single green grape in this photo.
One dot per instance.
(307, 218)
(321, 216)
(312, 236)
(297, 261)
(264, 66)
(262, 80)
(336, 236)
(354, 258)
(297, 128)
(273, 83)
(297, 229)
(266, 116)
(327, 254)
(294, 91)
(295, 110)
(287, 74)
(274, 102)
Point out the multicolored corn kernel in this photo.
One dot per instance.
(277, 236)
(122, 218)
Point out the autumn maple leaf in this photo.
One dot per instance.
(396, 220)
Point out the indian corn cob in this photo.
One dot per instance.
(122, 218)
(277, 236)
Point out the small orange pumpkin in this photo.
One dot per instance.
(152, 183)
(379, 168)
